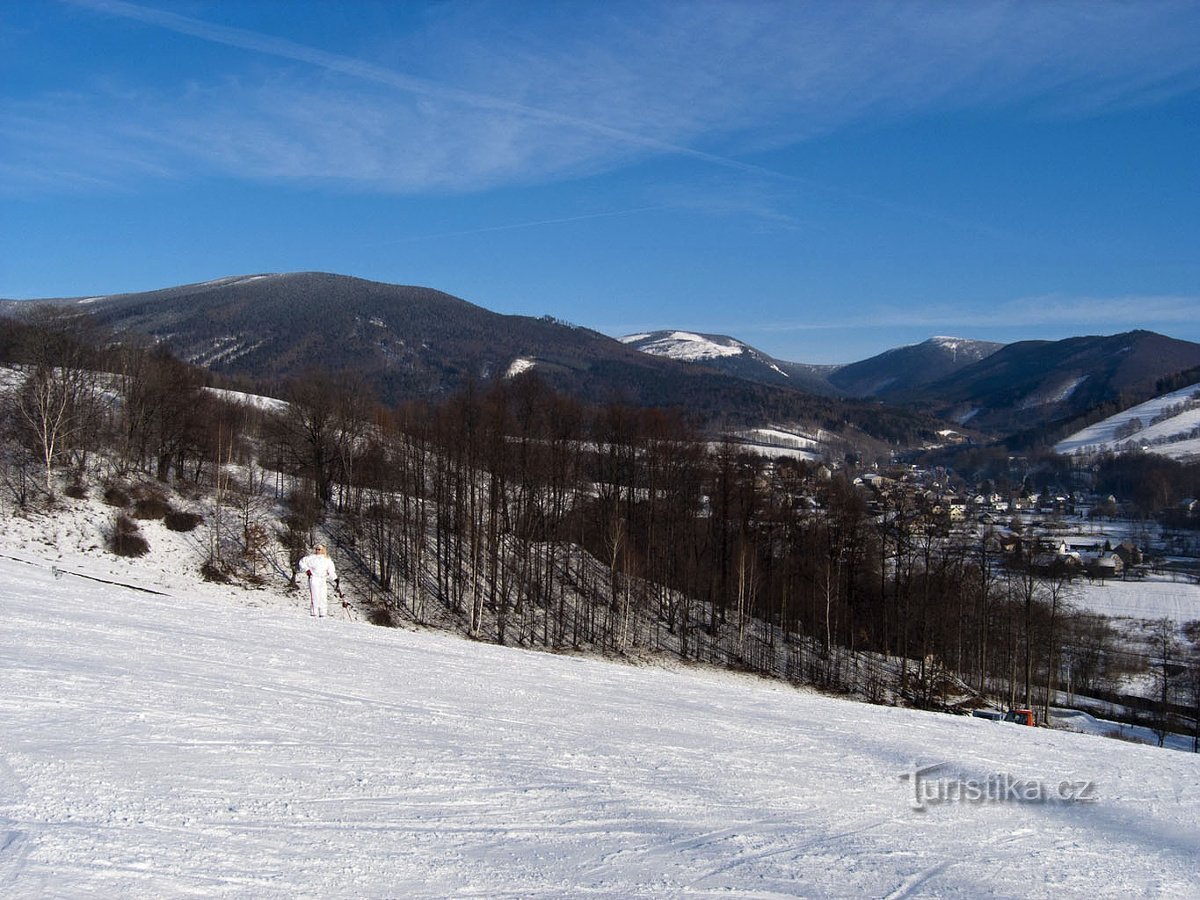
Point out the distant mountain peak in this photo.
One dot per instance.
(729, 355)
(903, 369)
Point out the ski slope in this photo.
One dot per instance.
(1171, 437)
(179, 743)
(688, 346)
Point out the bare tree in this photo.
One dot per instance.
(58, 402)
(1167, 665)
(317, 432)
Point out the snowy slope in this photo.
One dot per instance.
(779, 442)
(1176, 436)
(255, 401)
(171, 744)
(734, 357)
(686, 345)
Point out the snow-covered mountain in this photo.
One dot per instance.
(1168, 425)
(179, 738)
(728, 354)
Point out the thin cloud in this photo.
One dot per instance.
(1025, 312)
(516, 94)
(357, 68)
(514, 226)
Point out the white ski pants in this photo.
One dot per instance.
(318, 596)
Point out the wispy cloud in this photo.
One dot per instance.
(488, 95)
(533, 223)
(1104, 313)
(404, 83)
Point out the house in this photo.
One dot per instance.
(1106, 564)
(1130, 555)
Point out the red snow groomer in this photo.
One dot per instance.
(1021, 717)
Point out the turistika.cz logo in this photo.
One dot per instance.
(998, 788)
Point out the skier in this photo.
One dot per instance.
(319, 570)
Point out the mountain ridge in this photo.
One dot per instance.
(410, 342)
(1031, 381)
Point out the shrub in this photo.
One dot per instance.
(381, 616)
(125, 539)
(178, 520)
(76, 491)
(210, 572)
(151, 508)
(116, 496)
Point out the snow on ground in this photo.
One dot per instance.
(1149, 598)
(687, 345)
(188, 743)
(1085, 723)
(10, 377)
(237, 279)
(519, 365)
(1053, 395)
(266, 404)
(783, 437)
(1103, 435)
(777, 442)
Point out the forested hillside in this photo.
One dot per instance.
(410, 343)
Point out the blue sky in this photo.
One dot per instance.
(823, 180)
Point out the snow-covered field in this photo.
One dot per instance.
(778, 442)
(1085, 723)
(1149, 598)
(1170, 437)
(193, 742)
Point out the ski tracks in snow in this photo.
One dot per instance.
(14, 840)
(167, 747)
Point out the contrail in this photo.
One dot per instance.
(347, 65)
(335, 62)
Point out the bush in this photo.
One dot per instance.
(76, 491)
(125, 539)
(381, 616)
(116, 496)
(177, 520)
(210, 572)
(151, 508)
